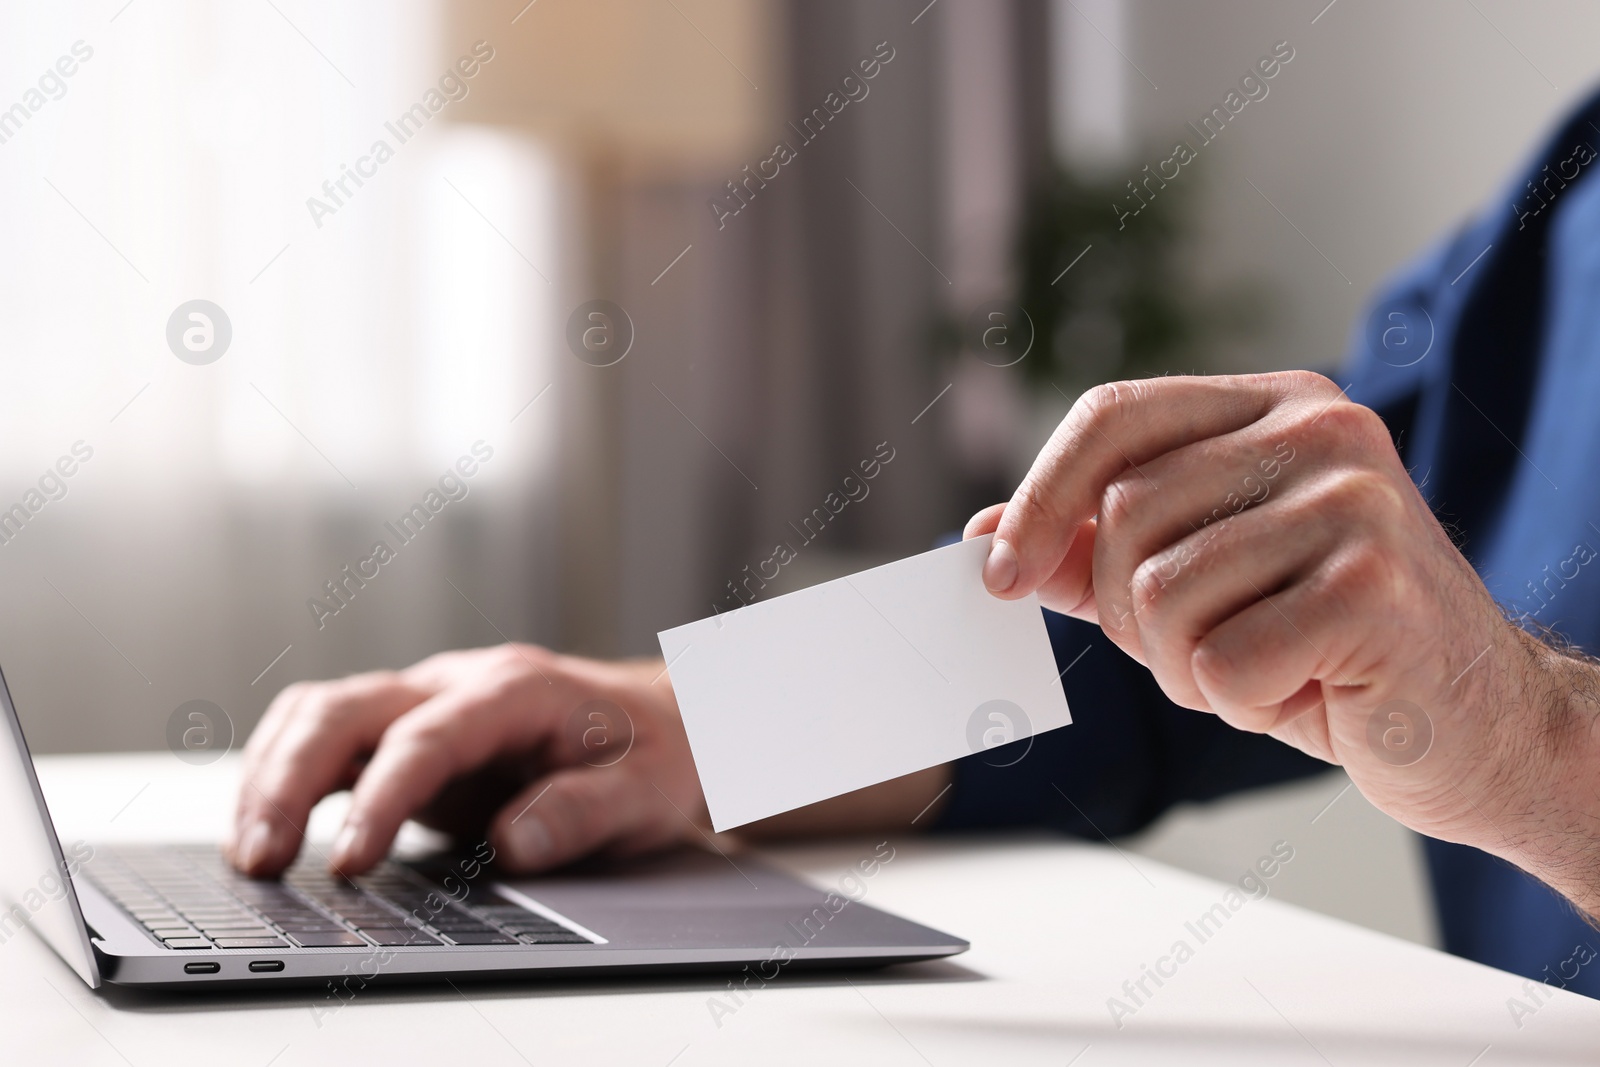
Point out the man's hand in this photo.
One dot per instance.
(550, 756)
(1257, 543)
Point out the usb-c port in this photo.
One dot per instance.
(201, 968)
(266, 965)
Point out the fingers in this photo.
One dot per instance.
(1110, 429)
(453, 732)
(1147, 511)
(306, 747)
(1334, 624)
(1182, 592)
(1263, 668)
(579, 810)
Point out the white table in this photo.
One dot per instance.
(1056, 929)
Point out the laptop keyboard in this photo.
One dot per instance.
(191, 899)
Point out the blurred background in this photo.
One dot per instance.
(936, 264)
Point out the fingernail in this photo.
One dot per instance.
(1000, 569)
(528, 842)
(254, 844)
(344, 846)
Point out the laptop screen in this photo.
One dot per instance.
(35, 877)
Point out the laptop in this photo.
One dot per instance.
(180, 916)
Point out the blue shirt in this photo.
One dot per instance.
(1484, 359)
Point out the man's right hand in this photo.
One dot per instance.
(515, 743)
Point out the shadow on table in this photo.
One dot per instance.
(433, 990)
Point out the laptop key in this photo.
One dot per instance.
(235, 931)
(188, 942)
(252, 942)
(327, 939)
(398, 936)
(534, 928)
(265, 894)
(565, 937)
(475, 937)
(170, 932)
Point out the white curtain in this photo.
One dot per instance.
(369, 353)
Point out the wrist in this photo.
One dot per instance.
(1548, 772)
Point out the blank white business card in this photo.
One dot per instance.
(859, 680)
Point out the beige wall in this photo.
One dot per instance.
(1393, 122)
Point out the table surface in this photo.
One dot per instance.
(1056, 929)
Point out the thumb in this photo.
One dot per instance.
(567, 815)
(983, 522)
